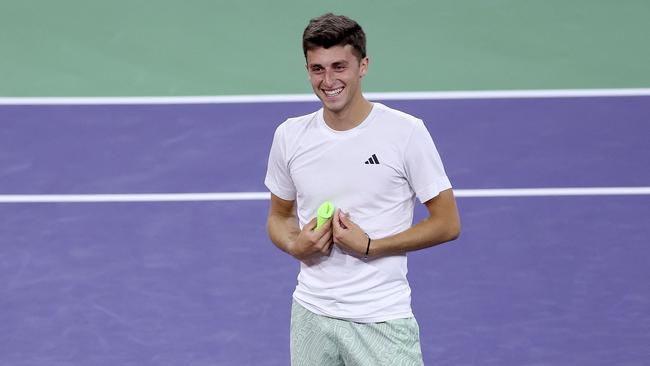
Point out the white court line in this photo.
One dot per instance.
(550, 192)
(276, 98)
(257, 196)
(138, 197)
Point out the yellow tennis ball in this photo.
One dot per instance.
(325, 211)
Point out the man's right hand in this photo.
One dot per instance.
(312, 242)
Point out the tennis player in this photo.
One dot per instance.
(352, 304)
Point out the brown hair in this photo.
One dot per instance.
(330, 30)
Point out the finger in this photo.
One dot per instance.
(327, 249)
(343, 219)
(327, 225)
(311, 225)
(336, 220)
(325, 246)
(324, 240)
(322, 231)
(347, 221)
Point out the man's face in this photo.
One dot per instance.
(335, 75)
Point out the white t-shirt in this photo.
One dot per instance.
(374, 172)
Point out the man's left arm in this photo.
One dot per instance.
(441, 225)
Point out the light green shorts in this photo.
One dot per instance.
(319, 340)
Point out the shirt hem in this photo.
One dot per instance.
(364, 320)
(434, 189)
(280, 193)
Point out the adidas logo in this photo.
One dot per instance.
(372, 160)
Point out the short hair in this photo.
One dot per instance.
(330, 30)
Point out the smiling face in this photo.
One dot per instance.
(335, 74)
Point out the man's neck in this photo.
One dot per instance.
(348, 118)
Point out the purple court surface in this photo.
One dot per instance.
(531, 281)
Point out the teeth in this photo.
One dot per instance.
(332, 93)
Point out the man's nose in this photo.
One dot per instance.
(329, 77)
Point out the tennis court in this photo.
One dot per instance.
(133, 150)
(548, 279)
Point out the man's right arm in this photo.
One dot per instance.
(284, 232)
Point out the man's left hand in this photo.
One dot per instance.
(348, 235)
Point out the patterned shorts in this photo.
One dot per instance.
(319, 340)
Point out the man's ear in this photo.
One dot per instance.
(363, 66)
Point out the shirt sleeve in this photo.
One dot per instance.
(424, 169)
(278, 179)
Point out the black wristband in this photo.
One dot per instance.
(368, 247)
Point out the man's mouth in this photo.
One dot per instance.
(333, 92)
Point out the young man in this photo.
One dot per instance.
(352, 305)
